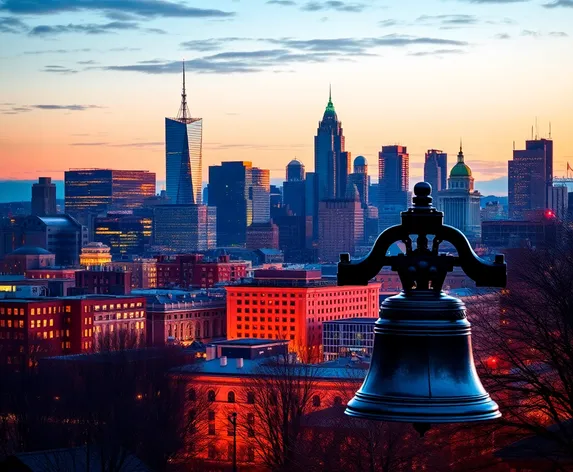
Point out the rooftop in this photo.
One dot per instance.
(356, 320)
(250, 342)
(30, 251)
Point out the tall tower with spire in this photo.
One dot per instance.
(331, 162)
(184, 154)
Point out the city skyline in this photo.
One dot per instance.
(486, 62)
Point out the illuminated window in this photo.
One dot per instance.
(51, 322)
(9, 323)
(68, 309)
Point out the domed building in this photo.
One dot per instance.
(360, 179)
(460, 202)
(27, 258)
(295, 171)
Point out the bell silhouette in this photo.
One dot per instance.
(422, 369)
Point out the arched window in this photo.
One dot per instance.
(337, 400)
(192, 395)
(316, 400)
(231, 397)
(251, 398)
(211, 395)
(206, 329)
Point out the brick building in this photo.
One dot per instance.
(292, 305)
(103, 281)
(192, 270)
(25, 258)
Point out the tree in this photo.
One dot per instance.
(282, 390)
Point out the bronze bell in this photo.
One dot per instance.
(422, 369)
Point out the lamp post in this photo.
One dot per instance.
(233, 421)
(422, 369)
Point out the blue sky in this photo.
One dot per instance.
(93, 79)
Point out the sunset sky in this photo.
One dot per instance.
(87, 83)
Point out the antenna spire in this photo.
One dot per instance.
(330, 92)
(550, 130)
(184, 114)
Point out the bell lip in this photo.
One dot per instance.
(425, 418)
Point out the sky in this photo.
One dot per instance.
(87, 83)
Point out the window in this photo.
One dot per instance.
(211, 395)
(251, 398)
(231, 397)
(192, 395)
(316, 400)
(251, 425)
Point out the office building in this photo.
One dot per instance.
(181, 317)
(263, 235)
(96, 191)
(331, 163)
(61, 235)
(393, 184)
(493, 210)
(102, 280)
(460, 202)
(436, 169)
(124, 233)
(348, 337)
(294, 232)
(143, 271)
(540, 232)
(560, 201)
(44, 197)
(193, 270)
(341, 226)
(229, 186)
(183, 155)
(530, 178)
(260, 195)
(293, 305)
(360, 178)
(184, 228)
(95, 255)
(294, 188)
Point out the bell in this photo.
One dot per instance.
(422, 369)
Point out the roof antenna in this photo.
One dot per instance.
(184, 114)
(550, 130)
(536, 130)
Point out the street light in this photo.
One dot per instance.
(233, 420)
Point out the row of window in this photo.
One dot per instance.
(263, 319)
(262, 327)
(10, 324)
(119, 316)
(231, 398)
(263, 302)
(264, 336)
(269, 311)
(117, 306)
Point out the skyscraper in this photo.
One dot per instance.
(360, 178)
(294, 188)
(460, 202)
(183, 154)
(44, 197)
(260, 195)
(393, 182)
(331, 163)
(92, 191)
(436, 169)
(530, 179)
(229, 186)
(295, 171)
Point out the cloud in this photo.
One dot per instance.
(59, 69)
(73, 51)
(448, 20)
(387, 23)
(211, 44)
(9, 24)
(85, 63)
(12, 110)
(558, 34)
(437, 52)
(502, 36)
(50, 30)
(283, 3)
(560, 3)
(136, 144)
(539, 34)
(115, 9)
(493, 2)
(334, 5)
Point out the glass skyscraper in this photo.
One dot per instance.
(183, 155)
(393, 182)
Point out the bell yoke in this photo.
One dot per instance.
(422, 369)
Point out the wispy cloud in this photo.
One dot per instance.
(59, 69)
(334, 5)
(448, 20)
(11, 109)
(493, 2)
(539, 34)
(74, 51)
(387, 23)
(114, 26)
(502, 36)
(437, 52)
(135, 144)
(559, 4)
(211, 44)
(113, 8)
(10, 24)
(87, 63)
(283, 3)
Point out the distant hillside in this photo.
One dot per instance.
(21, 190)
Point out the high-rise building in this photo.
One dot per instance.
(95, 191)
(393, 183)
(263, 236)
(229, 186)
(184, 228)
(460, 202)
(294, 188)
(295, 171)
(125, 234)
(183, 155)
(360, 178)
(260, 195)
(341, 226)
(530, 178)
(44, 197)
(436, 169)
(331, 165)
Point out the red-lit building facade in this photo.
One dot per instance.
(38, 327)
(51, 273)
(292, 305)
(191, 270)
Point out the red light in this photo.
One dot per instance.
(549, 214)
